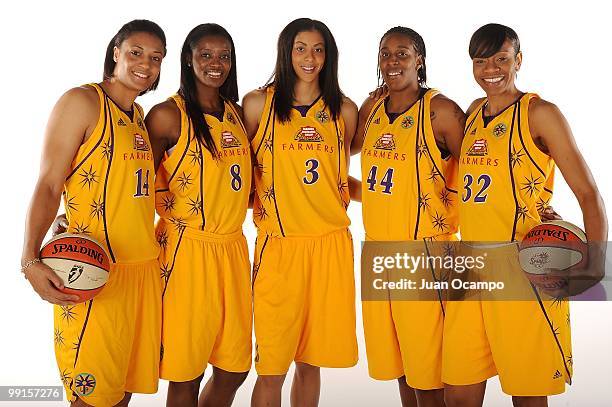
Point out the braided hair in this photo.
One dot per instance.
(419, 47)
(228, 91)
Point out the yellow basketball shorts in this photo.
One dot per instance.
(110, 344)
(304, 302)
(527, 343)
(207, 303)
(404, 338)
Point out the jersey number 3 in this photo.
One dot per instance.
(312, 175)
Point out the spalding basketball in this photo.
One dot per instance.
(556, 245)
(80, 262)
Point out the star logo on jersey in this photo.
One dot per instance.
(65, 377)
(499, 130)
(308, 134)
(140, 143)
(322, 116)
(121, 122)
(407, 122)
(377, 121)
(228, 140)
(385, 142)
(230, 118)
(84, 384)
(58, 338)
(479, 148)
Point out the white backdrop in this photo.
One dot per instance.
(51, 47)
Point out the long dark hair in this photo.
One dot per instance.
(134, 26)
(489, 38)
(284, 77)
(419, 47)
(188, 90)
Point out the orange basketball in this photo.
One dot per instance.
(80, 262)
(556, 245)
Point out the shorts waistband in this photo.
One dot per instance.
(126, 264)
(446, 237)
(492, 245)
(203, 235)
(263, 234)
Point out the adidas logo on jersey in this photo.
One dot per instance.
(121, 122)
(473, 132)
(557, 375)
(385, 142)
(308, 134)
(228, 140)
(377, 121)
(479, 148)
(139, 143)
(140, 124)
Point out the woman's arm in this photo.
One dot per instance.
(551, 131)
(72, 120)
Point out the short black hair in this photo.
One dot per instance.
(488, 39)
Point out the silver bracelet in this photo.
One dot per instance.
(28, 264)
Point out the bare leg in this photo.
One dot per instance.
(267, 391)
(220, 389)
(406, 392)
(538, 401)
(465, 396)
(430, 398)
(183, 394)
(306, 386)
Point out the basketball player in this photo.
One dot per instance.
(512, 141)
(97, 153)
(412, 127)
(303, 285)
(202, 191)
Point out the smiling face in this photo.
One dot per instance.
(138, 61)
(308, 55)
(398, 61)
(496, 74)
(211, 60)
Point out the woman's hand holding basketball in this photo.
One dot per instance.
(47, 284)
(60, 225)
(580, 279)
(549, 214)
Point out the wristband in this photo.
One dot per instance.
(28, 264)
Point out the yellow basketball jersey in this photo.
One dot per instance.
(408, 189)
(506, 179)
(301, 173)
(193, 188)
(106, 194)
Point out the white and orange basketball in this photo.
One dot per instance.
(556, 245)
(81, 263)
